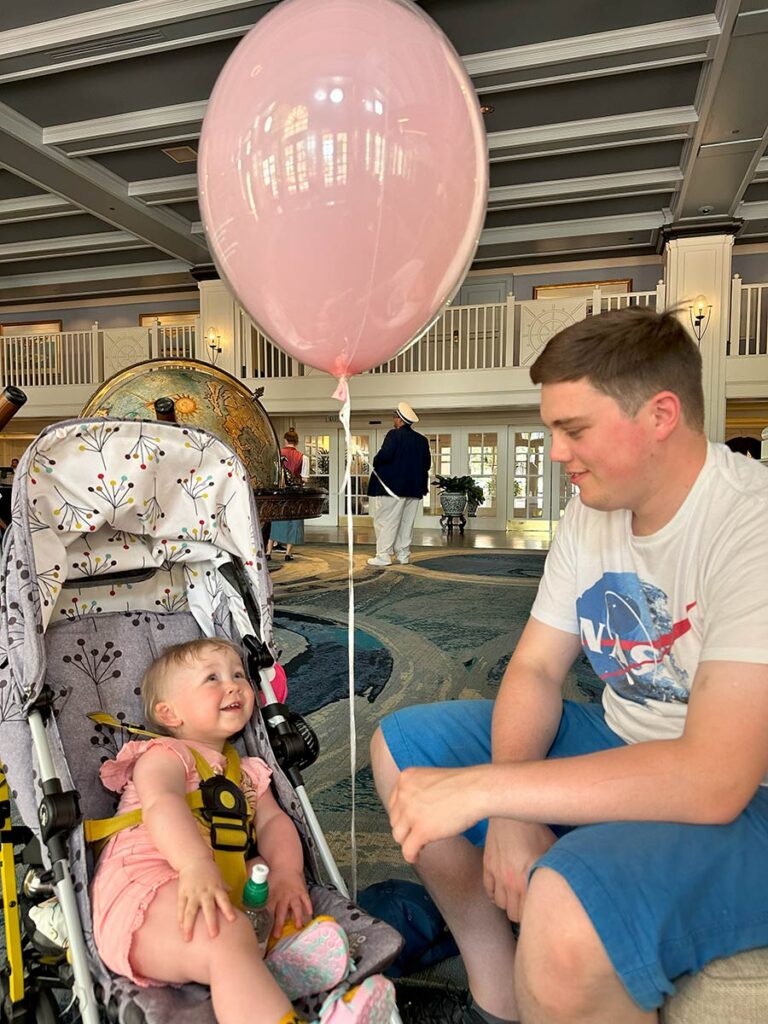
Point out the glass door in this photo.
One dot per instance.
(528, 475)
(441, 447)
(320, 450)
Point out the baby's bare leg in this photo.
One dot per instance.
(242, 989)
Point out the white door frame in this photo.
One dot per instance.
(331, 518)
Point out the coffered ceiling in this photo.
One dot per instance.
(607, 123)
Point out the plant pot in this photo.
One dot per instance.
(471, 508)
(453, 504)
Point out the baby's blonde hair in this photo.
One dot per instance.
(153, 683)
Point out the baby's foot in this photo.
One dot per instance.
(370, 1002)
(310, 961)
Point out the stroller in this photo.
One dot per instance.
(127, 537)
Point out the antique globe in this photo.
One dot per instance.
(205, 396)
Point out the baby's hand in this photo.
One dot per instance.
(288, 897)
(201, 887)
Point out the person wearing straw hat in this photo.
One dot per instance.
(399, 480)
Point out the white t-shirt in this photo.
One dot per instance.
(649, 609)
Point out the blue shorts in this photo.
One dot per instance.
(664, 898)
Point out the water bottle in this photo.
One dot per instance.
(255, 896)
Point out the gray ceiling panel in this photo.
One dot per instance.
(598, 161)
(121, 86)
(12, 186)
(574, 101)
(146, 162)
(478, 25)
(578, 211)
(63, 227)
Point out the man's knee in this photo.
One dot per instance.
(561, 962)
(385, 770)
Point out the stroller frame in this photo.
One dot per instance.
(225, 548)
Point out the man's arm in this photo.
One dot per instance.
(529, 704)
(388, 450)
(707, 776)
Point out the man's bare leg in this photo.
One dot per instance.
(452, 871)
(563, 974)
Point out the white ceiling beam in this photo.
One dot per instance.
(126, 51)
(752, 211)
(92, 189)
(23, 208)
(574, 228)
(615, 124)
(126, 270)
(107, 21)
(597, 44)
(176, 188)
(600, 183)
(69, 245)
(192, 114)
(591, 73)
(122, 124)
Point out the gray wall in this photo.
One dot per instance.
(753, 269)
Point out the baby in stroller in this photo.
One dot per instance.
(162, 911)
(129, 538)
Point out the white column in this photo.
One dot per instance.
(701, 265)
(218, 310)
(764, 447)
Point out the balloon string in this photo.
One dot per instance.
(342, 393)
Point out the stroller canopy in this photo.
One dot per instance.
(118, 515)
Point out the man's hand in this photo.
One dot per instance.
(201, 887)
(511, 848)
(434, 803)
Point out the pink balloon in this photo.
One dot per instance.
(343, 177)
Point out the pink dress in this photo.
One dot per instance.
(130, 869)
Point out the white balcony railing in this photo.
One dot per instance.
(486, 337)
(749, 319)
(89, 357)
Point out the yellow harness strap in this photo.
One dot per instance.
(218, 804)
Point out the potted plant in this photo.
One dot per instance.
(453, 493)
(475, 496)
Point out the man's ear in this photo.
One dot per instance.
(165, 715)
(666, 412)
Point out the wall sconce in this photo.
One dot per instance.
(700, 311)
(214, 345)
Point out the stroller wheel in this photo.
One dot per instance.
(39, 1005)
(45, 1007)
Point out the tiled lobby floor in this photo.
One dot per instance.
(537, 540)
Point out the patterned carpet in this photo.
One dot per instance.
(440, 628)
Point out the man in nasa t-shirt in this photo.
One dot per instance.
(629, 839)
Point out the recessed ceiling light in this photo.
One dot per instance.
(486, 108)
(181, 154)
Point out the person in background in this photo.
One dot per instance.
(289, 531)
(399, 480)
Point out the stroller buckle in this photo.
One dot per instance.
(226, 812)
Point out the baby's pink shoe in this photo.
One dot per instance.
(312, 960)
(370, 1002)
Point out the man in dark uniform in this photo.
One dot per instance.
(399, 480)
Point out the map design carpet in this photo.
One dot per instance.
(441, 628)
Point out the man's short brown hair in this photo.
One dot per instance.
(629, 354)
